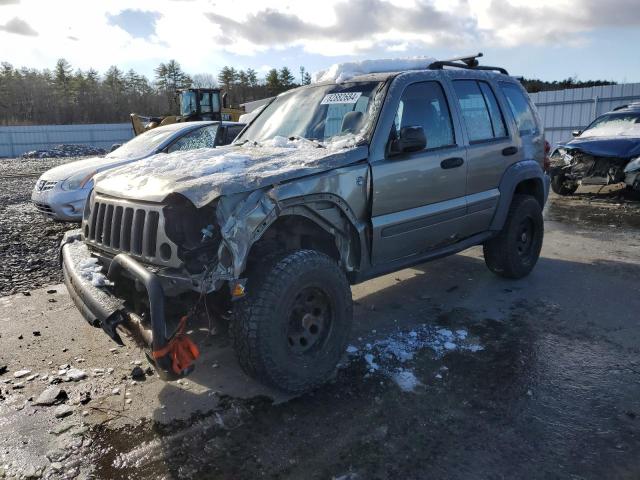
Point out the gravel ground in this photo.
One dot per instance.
(28, 240)
(452, 373)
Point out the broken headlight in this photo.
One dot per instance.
(632, 166)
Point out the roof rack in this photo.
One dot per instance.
(630, 106)
(469, 62)
(620, 107)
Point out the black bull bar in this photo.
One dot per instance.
(102, 309)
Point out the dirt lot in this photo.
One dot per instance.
(452, 373)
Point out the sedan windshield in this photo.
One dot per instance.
(143, 145)
(625, 124)
(320, 113)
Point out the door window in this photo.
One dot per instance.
(424, 105)
(204, 137)
(480, 110)
(232, 132)
(520, 107)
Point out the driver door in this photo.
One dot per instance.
(418, 197)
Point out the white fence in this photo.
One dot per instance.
(14, 141)
(563, 111)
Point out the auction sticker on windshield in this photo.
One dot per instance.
(346, 97)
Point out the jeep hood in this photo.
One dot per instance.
(203, 175)
(620, 147)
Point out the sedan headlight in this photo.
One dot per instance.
(78, 181)
(632, 166)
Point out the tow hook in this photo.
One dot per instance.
(181, 350)
(173, 355)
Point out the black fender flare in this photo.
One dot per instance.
(512, 177)
(301, 206)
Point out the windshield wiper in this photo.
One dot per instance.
(316, 142)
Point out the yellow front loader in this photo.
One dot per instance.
(195, 104)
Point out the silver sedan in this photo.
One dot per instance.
(61, 192)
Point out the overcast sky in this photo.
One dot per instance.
(546, 39)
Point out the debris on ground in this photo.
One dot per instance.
(63, 411)
(21, 373)
(75, 374)
(137, 373)
(65, 151)
(50, 396)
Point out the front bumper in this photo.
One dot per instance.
(59, 204)
(101, 308)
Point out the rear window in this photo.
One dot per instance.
(520, 107)
(480, 110)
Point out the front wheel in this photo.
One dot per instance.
(562, 186)
(515, 250)
(292, 327)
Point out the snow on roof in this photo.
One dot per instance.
(342, 72)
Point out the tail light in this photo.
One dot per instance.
(547, 160)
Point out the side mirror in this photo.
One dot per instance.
(576, 133)
(412, 139)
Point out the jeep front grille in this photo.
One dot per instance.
(117, 226)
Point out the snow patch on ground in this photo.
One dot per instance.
(406, 380)
(342, 72)
(392, 356)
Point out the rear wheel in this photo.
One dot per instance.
(293, 325)
(515, 251)
(562, 186)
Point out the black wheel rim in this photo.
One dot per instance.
(309, 322)
(525, 237)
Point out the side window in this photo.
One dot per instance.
(424, 105)
(497, 120)
(480, 110)
(204, 137)
(231, 134)
(520, 107)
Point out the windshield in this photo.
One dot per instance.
(187, 103)
(316, 113)
(144, 144)
(625, 124)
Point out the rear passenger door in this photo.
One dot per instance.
(527, 123)
(489, 144)
(418, 197)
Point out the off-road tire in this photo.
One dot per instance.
(262, 320)
(508, 254)
(561, 186)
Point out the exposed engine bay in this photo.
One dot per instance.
(582, 168)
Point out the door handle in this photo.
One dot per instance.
(509, 151)
(454, 162)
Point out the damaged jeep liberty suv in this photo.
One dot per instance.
(373, 168)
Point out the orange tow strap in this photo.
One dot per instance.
(183, 352)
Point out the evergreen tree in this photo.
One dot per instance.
(273, 81)
(286, 78)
